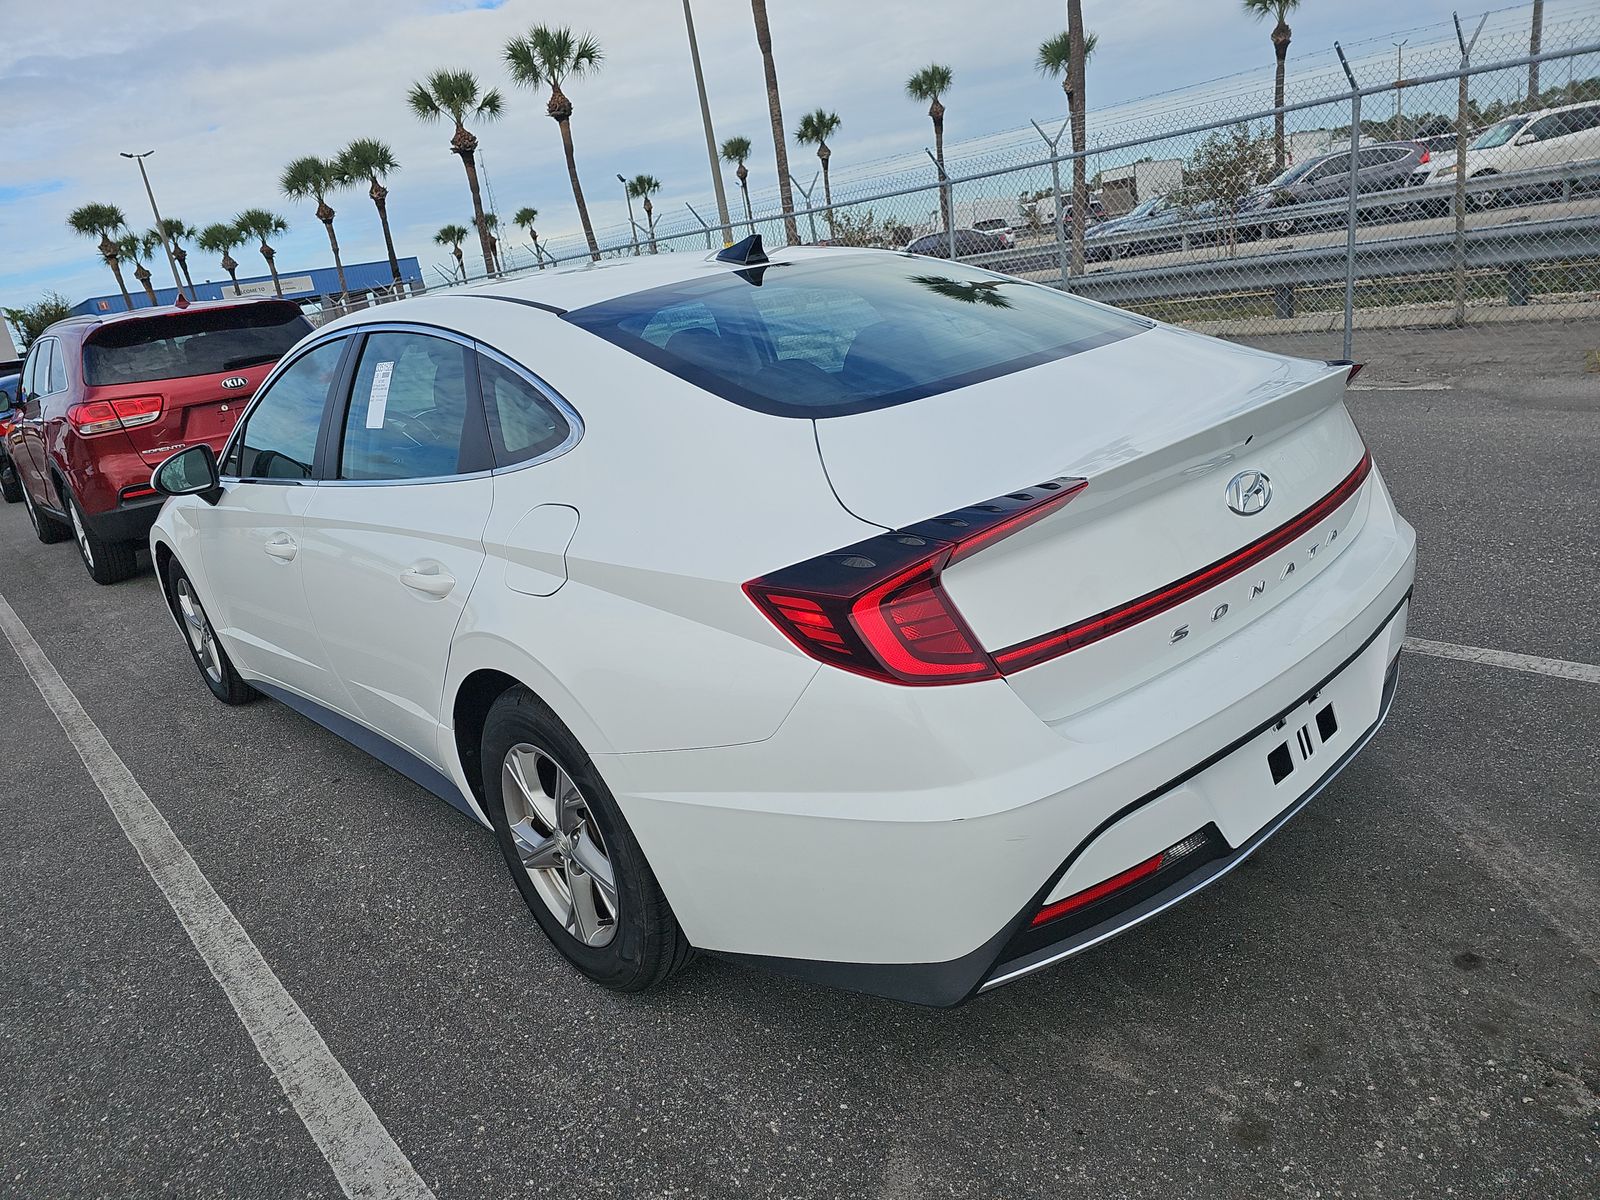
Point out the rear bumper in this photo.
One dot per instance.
(897, 840)
(130, 521)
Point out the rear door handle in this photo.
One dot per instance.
(433, 582)
(282, 547)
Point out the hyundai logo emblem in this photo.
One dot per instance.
(235, 381)
(1249, 492)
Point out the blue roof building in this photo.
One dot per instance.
(317, 284)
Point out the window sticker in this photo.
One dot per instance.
(378, 397)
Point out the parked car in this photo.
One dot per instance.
(1386, 166)
(107, 398)
(1000, 227)
(969, 242)
(1014, 620)
(1167, 226)
(1104, 240)
(1551, 137)
(10, 487)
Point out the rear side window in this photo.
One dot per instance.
(58, 367)
(523, 423)
(197, 342)
(408, 409)
(280, 434)
(845, 335)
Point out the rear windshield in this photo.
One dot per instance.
(847, 335)
(203, 342)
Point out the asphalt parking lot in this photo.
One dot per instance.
(1399, 996)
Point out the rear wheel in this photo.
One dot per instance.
(216, 668)
(107, 562)
(10, 485)
(45, 527)
(572, 856)
(1483, 200)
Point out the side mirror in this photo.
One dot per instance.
(191, 472)
(1524, 139)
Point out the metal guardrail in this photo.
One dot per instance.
(1508, 247)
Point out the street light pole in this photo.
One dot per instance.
(1399, 75)
(166, 243)
(711, 138)
(633, 229)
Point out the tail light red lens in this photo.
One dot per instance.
(1167, 860)
(122, 412)
(1426, 157)
(879, 608)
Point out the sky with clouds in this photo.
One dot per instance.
(226, 93)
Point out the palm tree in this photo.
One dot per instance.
(1279, 10)
(929, 84)
(221, 238)
(260, 224)
(815, 130)
(551, 56)
(103, 220)
(1055, 58)
(736, 150)
(132, 248)
(491, 222)
(642, 187)
(372, 160)
(453, 236)
(174, 231)
(525, 218)
(455, 94)
(1535, 35)
(312, 178)
(791, 231)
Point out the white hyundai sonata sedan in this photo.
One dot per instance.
(874, 619)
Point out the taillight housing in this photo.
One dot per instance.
(1426, 157)
(879, 608)
(121, 412)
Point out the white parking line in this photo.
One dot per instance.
(1560, 668)
(364, 1158)
(1427, 385)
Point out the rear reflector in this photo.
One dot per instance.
(138, 492)
(1167, 859)
(123, 412)
(1102, 625)
(879, 609)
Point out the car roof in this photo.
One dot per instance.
(564, 289)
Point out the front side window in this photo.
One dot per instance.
(30, 373)
(830, 337)
(1497, 135)
(280, 434)
(523, 424)
(1555, 125)
(408, 409)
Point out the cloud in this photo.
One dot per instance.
(226, 94)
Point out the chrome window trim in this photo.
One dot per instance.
(575, 425)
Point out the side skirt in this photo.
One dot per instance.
(397, 758)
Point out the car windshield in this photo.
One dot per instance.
(1143, 209)
(844, 335)
(1295, 172)
(197, 342)
(1497, 135)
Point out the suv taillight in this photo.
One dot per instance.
(103, 416)
(879, 608)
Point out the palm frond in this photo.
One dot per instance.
(96, 220)
(736, 149)
(933, 81)
(368, 158)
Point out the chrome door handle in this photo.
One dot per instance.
(282, 547)
(432, 583)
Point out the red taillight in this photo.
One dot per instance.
(122, 412)
(1426, 157)
(1100, 890)
(1355, 369)
(879, 609)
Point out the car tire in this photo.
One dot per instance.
(106, 562)
(549, 806)
(1281, 228)
(10, 485)
(210, 657)
(45, 527)
(1479, 201)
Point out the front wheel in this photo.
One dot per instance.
(212, 660)
(571, 854)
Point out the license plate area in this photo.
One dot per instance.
(1313, 726)
(210, 422)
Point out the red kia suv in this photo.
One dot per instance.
(104, 399)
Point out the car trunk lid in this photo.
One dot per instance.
(1158, 424)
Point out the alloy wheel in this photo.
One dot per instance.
(559, 844)
(82, 534)
(197, 628)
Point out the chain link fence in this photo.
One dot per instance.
(1335, 218)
